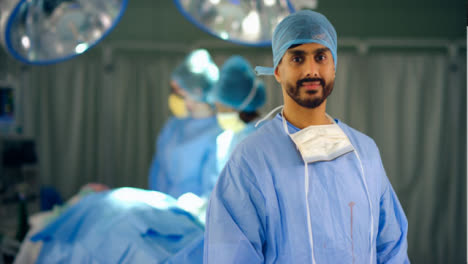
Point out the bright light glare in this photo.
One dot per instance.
(224, 35)
(269, 2)
(59, 48)
(106, 20)
(251, 24)
(213, 72)
(97, 33)
(199, 61)
(219, 19)
(214, 2)
(152, 198)
(26, 42)
(190, 202)
(223, 141)
(80, 48)
(235, 25)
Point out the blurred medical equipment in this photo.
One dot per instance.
(50, 31)
(18, 161)
(7, 107)
(246, 22)
(19, 191)
(8, 249)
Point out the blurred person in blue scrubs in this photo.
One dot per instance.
(304, 187)
(237, 95)
(185, 158)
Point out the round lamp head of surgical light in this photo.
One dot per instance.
(50, 31)
(246, 22)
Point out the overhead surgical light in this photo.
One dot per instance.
(50, 31)
(246, 22)
(304, 4)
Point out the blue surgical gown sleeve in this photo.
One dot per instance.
(235, 228)
(209, 172)
(393, 229)
(154, 181)
(153, 173)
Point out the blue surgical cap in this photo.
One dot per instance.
(238, 87)
(302, 27)
(196, 75)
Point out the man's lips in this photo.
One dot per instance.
(309, 86)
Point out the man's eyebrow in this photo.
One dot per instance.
(302, 52)
(296, 52)
(321, 50)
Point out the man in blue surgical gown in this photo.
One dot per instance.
(305, 188)
(185, 158)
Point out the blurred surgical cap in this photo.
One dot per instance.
(196, 75)
(302, 27)
(238, 86)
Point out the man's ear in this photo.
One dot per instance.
(277, 75)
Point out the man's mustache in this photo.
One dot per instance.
(302, 81)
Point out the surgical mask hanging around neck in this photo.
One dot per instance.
(320, 143)
(177, 106)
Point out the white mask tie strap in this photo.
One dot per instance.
(268, 115)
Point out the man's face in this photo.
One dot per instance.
(307, 73)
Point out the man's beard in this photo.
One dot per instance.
(294, 92)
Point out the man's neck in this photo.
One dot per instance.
(302, 117)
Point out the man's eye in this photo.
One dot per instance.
(320, 57)
(297, 59)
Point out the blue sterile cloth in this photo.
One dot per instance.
(125, 225)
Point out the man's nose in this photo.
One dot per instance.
(311, 69)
